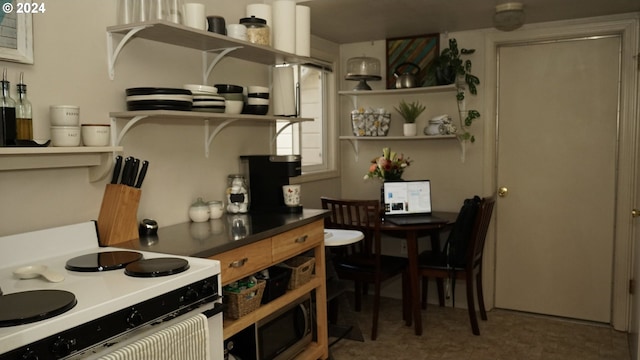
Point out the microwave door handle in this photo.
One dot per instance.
(305, 317)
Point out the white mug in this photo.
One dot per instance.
(194, 16)
(291, 194)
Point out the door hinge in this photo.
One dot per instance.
(632, 286)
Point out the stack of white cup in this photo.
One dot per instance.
(65, 125)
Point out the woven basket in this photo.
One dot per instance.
(244, 302)
(301, 270)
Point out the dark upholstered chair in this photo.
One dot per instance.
(363, 262)
(462, 256)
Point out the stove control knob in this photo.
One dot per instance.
(208, 288)
(62, 347)
(190, 295)
(29, 355)
(134, 319)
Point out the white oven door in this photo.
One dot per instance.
(132, 345)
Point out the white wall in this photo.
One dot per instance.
(437, 160)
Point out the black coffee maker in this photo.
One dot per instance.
(266, 175)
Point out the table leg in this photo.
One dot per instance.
(412, 254)
(434, 235)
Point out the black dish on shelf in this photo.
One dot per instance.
(159, 105)
(228, 88)
(258, 95)
(156, 91)
(256, 109)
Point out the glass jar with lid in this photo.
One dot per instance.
(258, 31)
(237, 194)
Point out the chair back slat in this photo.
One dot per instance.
(361, 215)
(480, 229)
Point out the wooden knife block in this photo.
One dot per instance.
(118, 218)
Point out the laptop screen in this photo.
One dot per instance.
(407, 197)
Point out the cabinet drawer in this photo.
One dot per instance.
(293, 242)
(244, 261)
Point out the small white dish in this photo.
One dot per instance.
(64, 115)
(195, 88)
(233, 106)
(96, 134)
(65, 136)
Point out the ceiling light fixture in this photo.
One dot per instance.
(509, 16)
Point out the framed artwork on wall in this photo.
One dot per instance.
(16, 32)
(414, 55)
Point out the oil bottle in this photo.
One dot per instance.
(8, 130)
(24, 120)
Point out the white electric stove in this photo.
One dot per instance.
(92, 309)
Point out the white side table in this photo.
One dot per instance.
(340, 237)
(335, 287)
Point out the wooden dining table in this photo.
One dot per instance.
(411, 233)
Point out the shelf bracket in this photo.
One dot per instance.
(125, 128)
(99, 172)
(207, 68)
(354, 145)
(208, 137)
(112, 54)
(273, 140)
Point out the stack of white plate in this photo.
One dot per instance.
(206, 98)
(151, 98)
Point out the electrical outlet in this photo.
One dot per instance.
(403, 247)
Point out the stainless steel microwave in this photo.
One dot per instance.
(279, 336)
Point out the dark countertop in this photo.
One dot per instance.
(216, 236)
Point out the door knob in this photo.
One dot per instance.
(502, 191)
(635, 212)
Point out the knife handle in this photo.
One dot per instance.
(116, 170)
(143, 172)
(134, 172)
(126, 170)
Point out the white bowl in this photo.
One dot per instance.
(96, 134)
(257, 101)
(195, 88)
(233, 106)
(64, 115)
(65, 135)
(257, 89)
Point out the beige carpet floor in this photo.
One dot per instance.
(507, 335)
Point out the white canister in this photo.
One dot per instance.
(64, 115)
(199, 211)
(237, 31)
(215, 209)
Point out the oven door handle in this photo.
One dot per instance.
(217, 309)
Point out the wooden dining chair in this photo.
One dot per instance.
(362, 262)
(462, 256)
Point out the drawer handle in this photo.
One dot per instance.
(301, 239)
(238, 263)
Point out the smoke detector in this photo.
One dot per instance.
(509, 16)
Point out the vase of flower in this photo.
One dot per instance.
(389, 166)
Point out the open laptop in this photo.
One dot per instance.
(408, 202)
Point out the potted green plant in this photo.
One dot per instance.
(449, 68)
(410, 112)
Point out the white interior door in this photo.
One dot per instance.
(557, 138)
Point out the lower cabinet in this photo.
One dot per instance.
(247, 260)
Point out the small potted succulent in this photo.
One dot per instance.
(410, 112)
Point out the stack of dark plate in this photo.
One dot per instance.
(153, 98)
(257, 100)
(206, 98)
